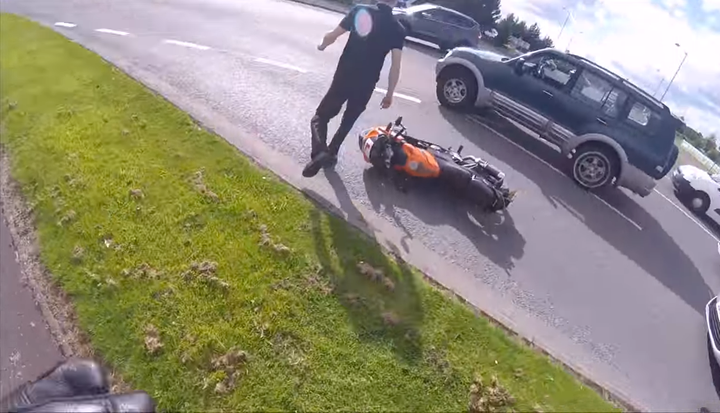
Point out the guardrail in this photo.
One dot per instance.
(701, 157)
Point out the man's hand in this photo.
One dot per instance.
(331, 37)
(386, 101)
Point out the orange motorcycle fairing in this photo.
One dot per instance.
(418, 163)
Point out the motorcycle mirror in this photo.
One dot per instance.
(389, 127)
(398, 120)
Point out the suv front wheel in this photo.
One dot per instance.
(594, 166)
(456, 88)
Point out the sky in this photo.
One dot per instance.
(637, 39)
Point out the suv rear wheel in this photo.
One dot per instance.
(456, 88)
(594, 166)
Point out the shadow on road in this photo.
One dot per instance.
(381, 308)
(652, 248)
(493, 235)
(430, 51)
(704, 218)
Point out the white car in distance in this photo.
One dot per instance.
(699, 190)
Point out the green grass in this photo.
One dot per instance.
(122, 213)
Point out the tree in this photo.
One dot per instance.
(532, 34)
(488, 13)
(505, 29)
(545, 42)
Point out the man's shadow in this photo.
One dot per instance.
(378, 292)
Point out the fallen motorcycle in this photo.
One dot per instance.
(405, 158)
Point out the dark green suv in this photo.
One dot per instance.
(612, 132)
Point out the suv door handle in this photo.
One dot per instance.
(600, 120)
(548, 93)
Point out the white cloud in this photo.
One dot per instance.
(637, 38)
(711, 5)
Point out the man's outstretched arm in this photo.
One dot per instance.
(331, 36)
(393, 76)
(344, 27)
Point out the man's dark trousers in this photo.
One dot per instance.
(342, 90)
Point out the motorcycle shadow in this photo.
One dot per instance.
(493, 234)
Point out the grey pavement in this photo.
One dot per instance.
(615, 286)
(26, 346)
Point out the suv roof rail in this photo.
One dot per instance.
(624, 81)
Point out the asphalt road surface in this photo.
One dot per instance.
(615, 285)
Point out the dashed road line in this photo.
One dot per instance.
(679, 208)
(186, 44)
(280, 64)
(399, 95)
(65, 24)
(617, 211)
(110, 31)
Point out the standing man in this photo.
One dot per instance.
(374, 32)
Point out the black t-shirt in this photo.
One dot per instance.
(363, 57)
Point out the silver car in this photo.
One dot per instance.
(444, 27)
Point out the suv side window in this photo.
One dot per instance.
(597, 92)
(460, 21)
(440, 15)
(640, 116)
(552, 69)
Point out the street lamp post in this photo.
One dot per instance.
(676, 72)
(564, 23)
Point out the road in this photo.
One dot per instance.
(615, 286)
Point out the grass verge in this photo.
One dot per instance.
(210, 284)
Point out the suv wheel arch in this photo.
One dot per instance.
(454, 63)
(600, 140)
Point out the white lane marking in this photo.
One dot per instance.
(186, 44)
(64, 24)
(280, 64)
(617, 211)
(399, 95)
(110, 31)
(679, 208)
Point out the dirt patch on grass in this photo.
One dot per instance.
(153, 345)
(229, 369)
(198, 181)
(376, 275)
(205, 272)
(267, 241)
(142, 272)
(489, 398)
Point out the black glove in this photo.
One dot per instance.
(74, 385)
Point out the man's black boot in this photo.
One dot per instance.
(313, 167)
